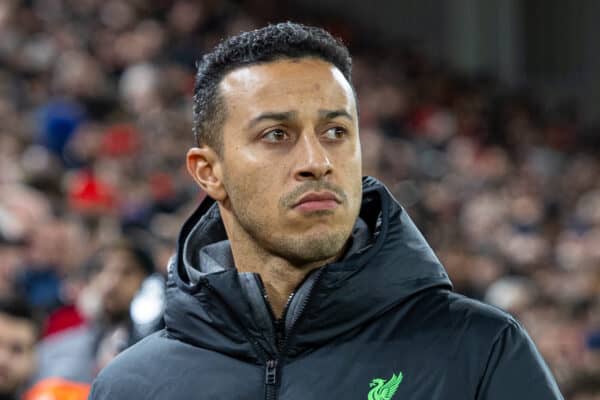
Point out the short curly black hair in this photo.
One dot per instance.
(273, 42)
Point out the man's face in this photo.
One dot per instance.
(17, 355)
(291, 131)
(117, 282)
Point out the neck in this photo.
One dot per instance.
(280, 276)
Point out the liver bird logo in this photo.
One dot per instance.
(382, 390)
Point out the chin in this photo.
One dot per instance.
(318, 246)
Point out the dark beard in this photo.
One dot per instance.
(298, 251)
(114, 318)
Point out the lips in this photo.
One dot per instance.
(317, 201)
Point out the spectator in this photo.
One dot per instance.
(113, 277)
(19, 332)
(586, 387)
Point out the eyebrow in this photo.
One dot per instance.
(288, 115)
(274, 116)
(331, 114)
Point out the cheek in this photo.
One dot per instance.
(23, 364)
(131, 287)
(351, 166)
(352, 170)
(253, 187)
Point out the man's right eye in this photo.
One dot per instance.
(275, 135)
(17, 348)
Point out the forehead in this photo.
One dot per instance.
(284, 85)
(114, 261)
(118, 259)
(16, 328)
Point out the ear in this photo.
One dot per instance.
(204, 165)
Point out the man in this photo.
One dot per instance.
(113, 277)
(19, 332)
(297, 280)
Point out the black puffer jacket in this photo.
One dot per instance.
(382, 323)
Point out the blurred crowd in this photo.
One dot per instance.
(95, 120)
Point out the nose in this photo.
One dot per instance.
(313, 159)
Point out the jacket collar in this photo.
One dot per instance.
(212, 312)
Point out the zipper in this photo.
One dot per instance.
(278, 334)
(270, 363)
(282, 336)
(279, 325)
(288, 332)
(271, 380)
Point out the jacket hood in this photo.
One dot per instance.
(211, 311)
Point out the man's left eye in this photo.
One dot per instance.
(335, 133)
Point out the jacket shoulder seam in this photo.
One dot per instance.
(509, 322)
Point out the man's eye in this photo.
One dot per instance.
(17, 348)
(275, 135)
(335, 133)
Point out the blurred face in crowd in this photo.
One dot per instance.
(589, 396)
(289, 176)
(10, 258)
(119, 278)
(17, 355)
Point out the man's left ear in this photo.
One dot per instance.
(204, 165)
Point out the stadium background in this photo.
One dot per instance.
(480, 116)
